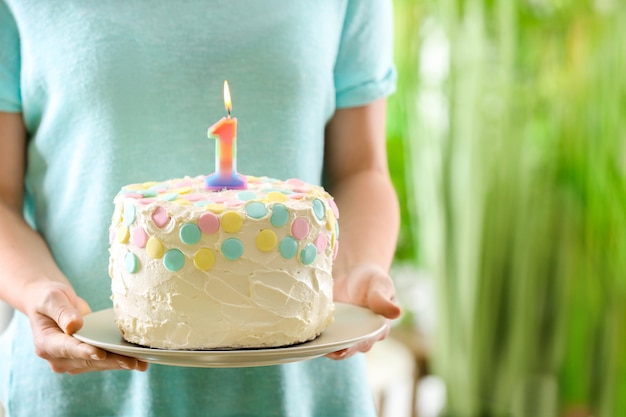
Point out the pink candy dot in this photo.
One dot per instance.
(219, 198)
(160, 217)
(209, 223)
(321, 241)
(195, 197)
(296, 196)
(299, 228)
(335, 250)
(139, 237)
(296, 182)
(333, 207)
(111, 234)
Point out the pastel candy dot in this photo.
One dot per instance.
(182, 202)
(215, 208)
(209, 223)
(256, 210)
(129, 213)
(318, 209)
(280, 215)
(276, 196)
(123, 234)
(139, 237)
(148, 193)
(182, 190)
(131, 263)
(231, 222)
(155, 248)
(111, 235)
(168, 196)
(246, 195)
(296, 182)
(288, 247)
(160, 217)
(321, 242)
(204, 259)
(232, 248)
(266, 240)
(300, 228)
(330, 220)
(333, 207)
(173, 260)
(190, 233)
(308, 254)
(335, 250)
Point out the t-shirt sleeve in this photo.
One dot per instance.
(10, 98)
(364, 70)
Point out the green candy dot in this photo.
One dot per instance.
(280, 215)
(256, 210)
(131, 263)
(288, 247)
(318, 209)
(129, 213)
(173, 260)
(190, 233)
(246, 195)
(232, 248)
(308, 254)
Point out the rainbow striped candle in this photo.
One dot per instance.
(225, 131)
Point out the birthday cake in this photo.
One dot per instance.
(193, 268)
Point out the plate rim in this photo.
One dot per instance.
(228, 358)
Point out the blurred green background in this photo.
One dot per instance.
(507, 149)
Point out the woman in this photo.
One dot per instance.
(96, 96)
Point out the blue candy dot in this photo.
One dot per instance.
(173, 260)
(232, 248)
(131, 263)
(288, 247)
(308, 254)
(318, 209)
(246, 195)
(256, 210)
(280, 215)
(129, 213)
(190, 233)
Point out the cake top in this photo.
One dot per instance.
(191, 191)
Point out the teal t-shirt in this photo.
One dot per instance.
(116, 92)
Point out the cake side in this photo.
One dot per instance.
(195, 269)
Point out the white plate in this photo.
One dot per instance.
(352, 324)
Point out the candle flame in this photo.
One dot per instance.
(227, 101)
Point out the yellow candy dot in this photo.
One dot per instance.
(182, 202)
(204, 259)
(215, 208)
(231, 222)
(330, 223)
(155, 248)
(123, 234)
(276, 196)
(181, 190)
(266, 240)
(135, 187)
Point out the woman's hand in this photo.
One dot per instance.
(55, 315)
(367, 285)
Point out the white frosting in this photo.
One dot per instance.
(260, 299)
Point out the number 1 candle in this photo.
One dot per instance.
(225, 131)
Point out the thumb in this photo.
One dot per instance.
(381, 299)
(62, 306)
(83, 307)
